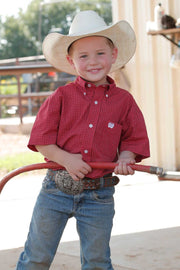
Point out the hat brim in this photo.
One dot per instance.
(55, 46)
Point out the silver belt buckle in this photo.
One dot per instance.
(66, 184)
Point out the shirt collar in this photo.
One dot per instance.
(87, 85)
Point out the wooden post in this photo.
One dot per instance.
(19, 95)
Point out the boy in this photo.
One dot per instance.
(87, 120)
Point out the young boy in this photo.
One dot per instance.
(88, 120)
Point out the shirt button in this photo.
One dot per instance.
(84, 93)
(89, 85)
(91, 125)
(107, 95)
(96, 102)
(85, 151)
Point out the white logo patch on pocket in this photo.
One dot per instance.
(110, 125)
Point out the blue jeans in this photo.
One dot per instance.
(94, 212)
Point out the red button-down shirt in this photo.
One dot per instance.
(94, 121)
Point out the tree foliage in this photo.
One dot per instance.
(23, 35)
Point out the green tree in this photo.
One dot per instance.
(23, 35)
(17, 39)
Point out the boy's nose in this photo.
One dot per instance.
(93, 60)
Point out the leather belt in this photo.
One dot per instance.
(105, 181)
(66, 184)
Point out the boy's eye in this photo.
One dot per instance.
(83, 56)
(100, 53)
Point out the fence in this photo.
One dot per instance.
(26, 65)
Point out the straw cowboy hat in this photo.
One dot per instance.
(89, 23)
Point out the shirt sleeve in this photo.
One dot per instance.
(134, 134)
(45, 128)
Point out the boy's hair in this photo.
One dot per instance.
(109, 42)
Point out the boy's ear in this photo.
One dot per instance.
(114, 54)
(69, 59)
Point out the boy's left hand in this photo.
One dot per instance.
(126, 157)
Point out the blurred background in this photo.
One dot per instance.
(26, 79)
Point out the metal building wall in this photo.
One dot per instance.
(155, 86)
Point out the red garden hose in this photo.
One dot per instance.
(94, 165)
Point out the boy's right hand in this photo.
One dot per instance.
(76, 167)
(73, 163)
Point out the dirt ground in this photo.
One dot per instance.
(12, 143)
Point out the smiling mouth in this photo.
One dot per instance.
(94, 70)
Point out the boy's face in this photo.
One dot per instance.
(92, 58)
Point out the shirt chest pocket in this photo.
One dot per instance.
(110, 138)
(112, 128)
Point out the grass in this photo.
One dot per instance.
(9, 86)
(11, 162)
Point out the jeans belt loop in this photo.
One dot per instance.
(101, 182)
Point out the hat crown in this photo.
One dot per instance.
(86, 22)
